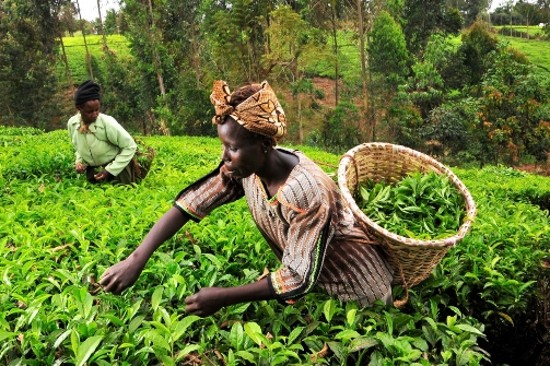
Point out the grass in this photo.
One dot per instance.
(532, 30)
(76, 52)
(537, 51)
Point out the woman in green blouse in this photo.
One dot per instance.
(104, 149)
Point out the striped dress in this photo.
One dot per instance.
(310, 228)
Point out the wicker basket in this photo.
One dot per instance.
(412, 259)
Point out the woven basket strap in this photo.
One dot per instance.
(395, 259)
(354, 167)
(405, 298)
(325, 164)
(366, 228)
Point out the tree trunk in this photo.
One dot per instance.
(337, 63)
(158, 69)
(66, 62)
(88, 56)
(101, 29)
(300, 122)
(364, 95)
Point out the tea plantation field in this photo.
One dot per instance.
(485, 302)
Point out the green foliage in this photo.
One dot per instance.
(514, 111)
(235, 35)
(28, 58)
(289, 39)
(347, 57)
(76, 53)
(423, 18)
(495, 271)
(477, 44)
(420, 206)
(404, 120)
(340, 131)
(450, 130)
(388, 50)
(58, 233)
(537, 51)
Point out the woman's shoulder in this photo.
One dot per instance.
(106, 119)
(306, 186)
(74, 120)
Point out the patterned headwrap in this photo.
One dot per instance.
(260, 113)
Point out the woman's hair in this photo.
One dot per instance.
(86, 91)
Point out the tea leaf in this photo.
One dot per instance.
(187, 350)
(157, 297)
(347, 335)
(7, 335)
(157, 339)
(361, 343)
(469, 328)
(61, 338)
(350, 316)
(236, 336)
(294, 334)
(181, 326)
(86, 349)
(329, 309)
(245, 355)
(254, 332)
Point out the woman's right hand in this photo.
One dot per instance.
(80, 167)
(120, 276)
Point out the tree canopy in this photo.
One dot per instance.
(387, 70)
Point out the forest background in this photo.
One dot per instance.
(438, 76)
(433, 75)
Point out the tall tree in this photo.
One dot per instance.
(152, 60)
(28, 54)
(477, 43)
(237, 39)
(425, 17)
(366, 11)
(388, 59)
(290, 39)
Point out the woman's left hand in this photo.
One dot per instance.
(102, 175)
(205, 302)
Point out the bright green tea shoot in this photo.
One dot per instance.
(420, 206)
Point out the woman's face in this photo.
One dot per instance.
(243, 154)
(89, 111)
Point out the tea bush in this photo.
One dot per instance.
(58, 233)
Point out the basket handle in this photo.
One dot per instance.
(354, 167)
(400, 302)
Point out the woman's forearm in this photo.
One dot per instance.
(256, 291)
(211, 299)
(166, 227)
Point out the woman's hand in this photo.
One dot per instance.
(80, 167)
(121, 276)
(205, 302)
(102, 175)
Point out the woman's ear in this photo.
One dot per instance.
(266, 145)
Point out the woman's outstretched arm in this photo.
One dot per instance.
(124, 274)
(211, 299)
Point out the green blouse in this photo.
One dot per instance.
(106, 142)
